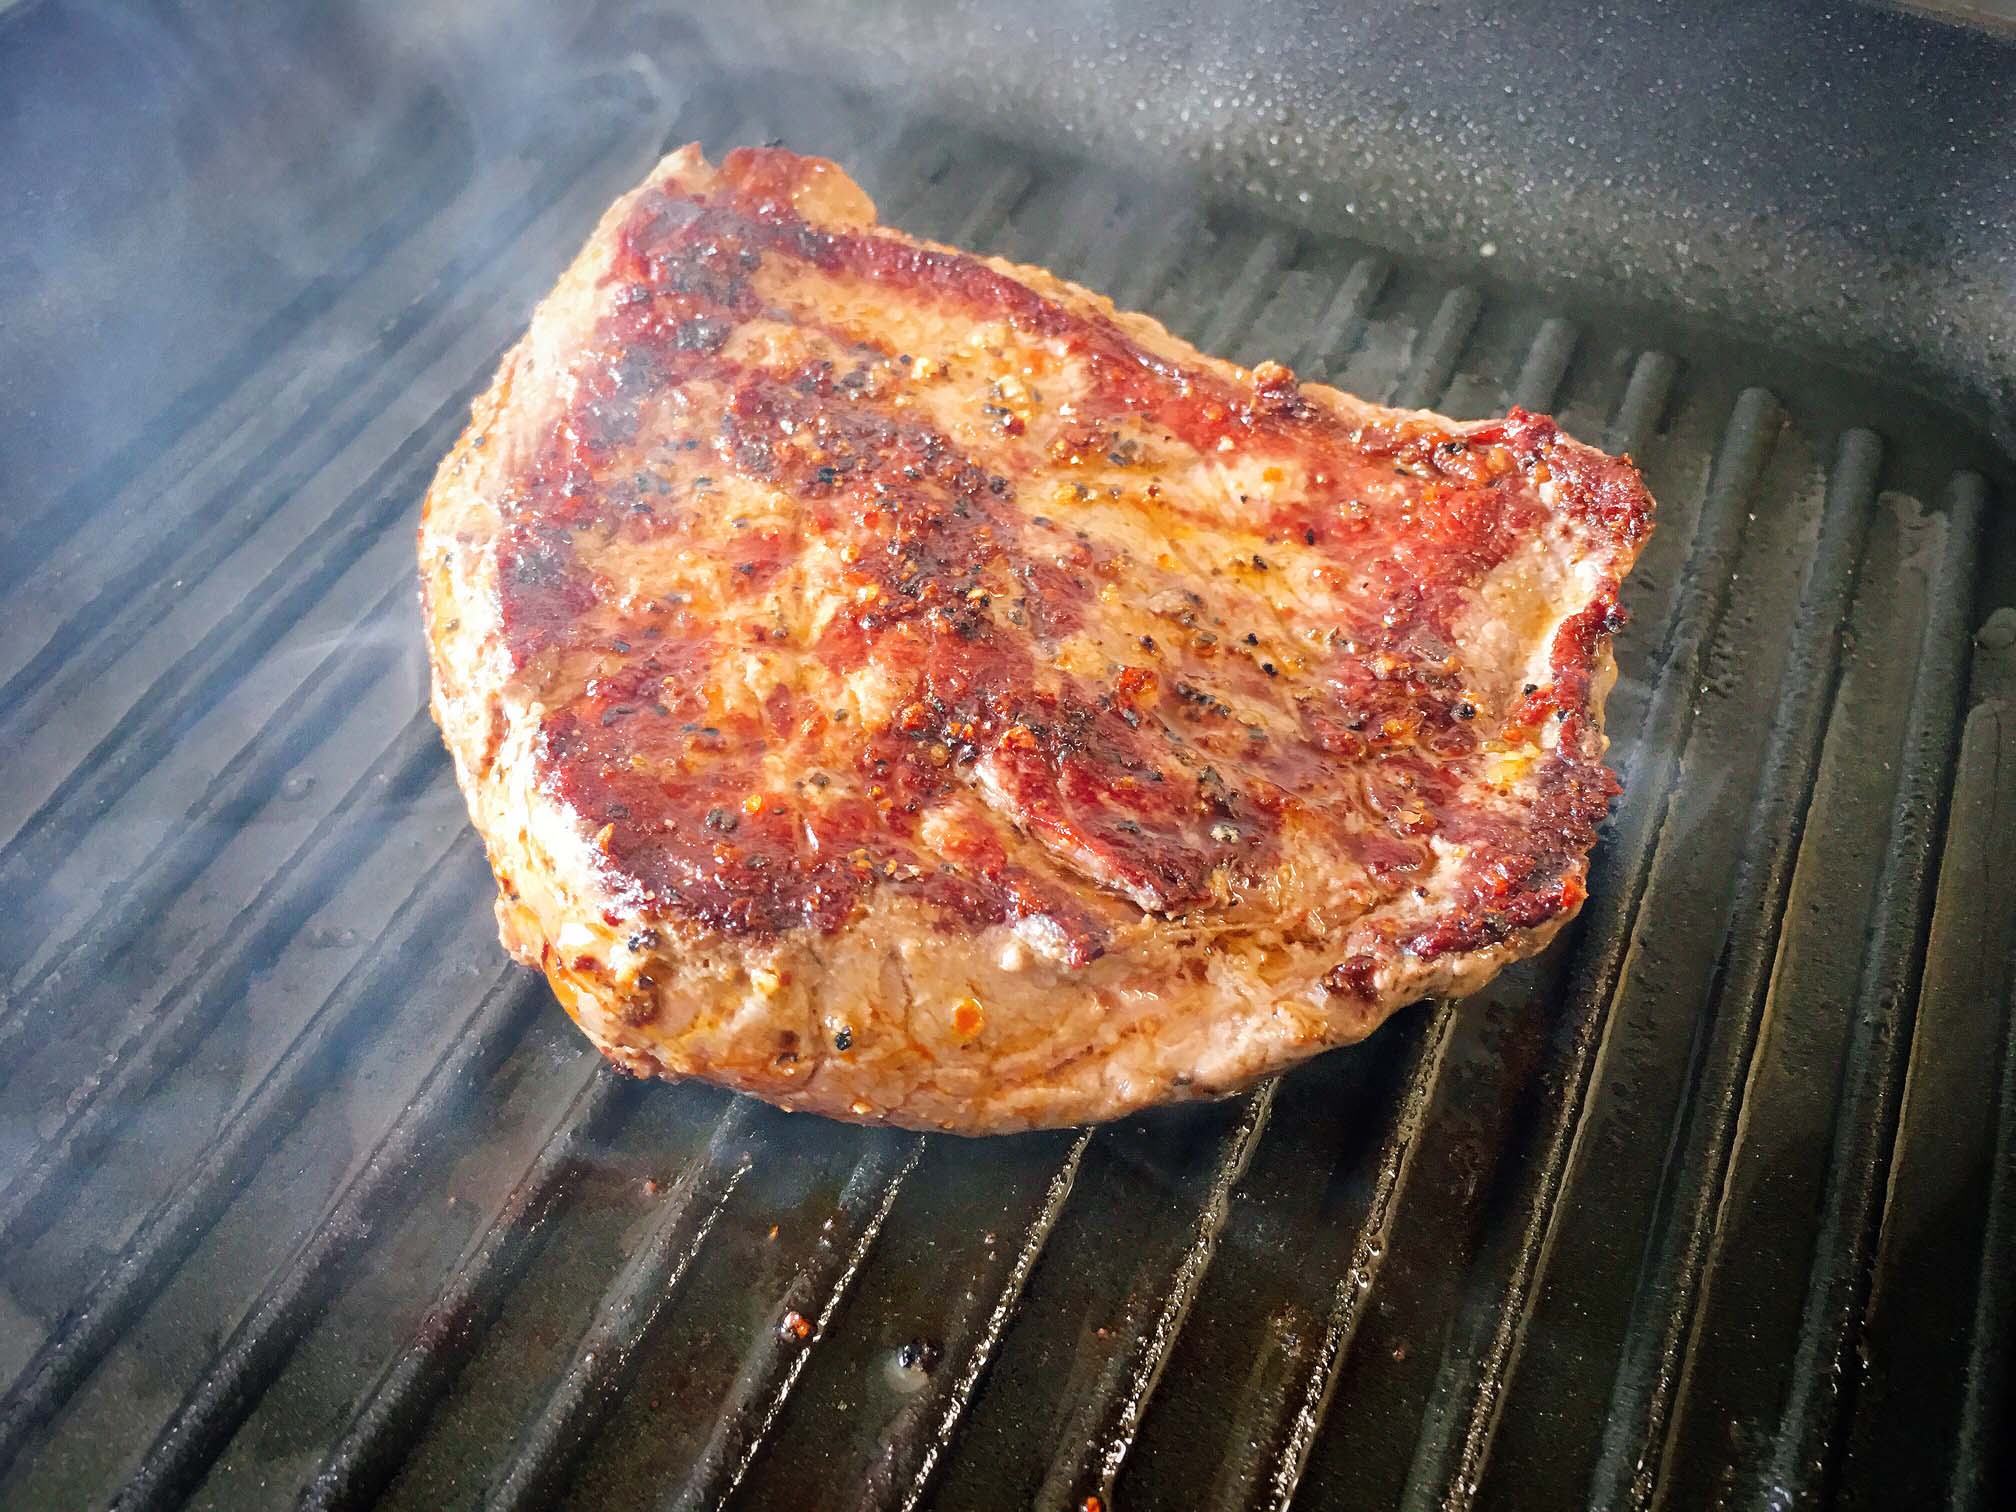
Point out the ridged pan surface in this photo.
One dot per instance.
(308, 1194)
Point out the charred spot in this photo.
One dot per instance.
(814, 378)
(539, 561)
(703, 333)
(1214, 791)
(1353, 977)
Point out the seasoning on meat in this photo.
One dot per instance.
(900, 685)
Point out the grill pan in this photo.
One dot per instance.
(308, 1194)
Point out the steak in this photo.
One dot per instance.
(897, 684)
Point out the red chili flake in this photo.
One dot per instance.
(796, 1326)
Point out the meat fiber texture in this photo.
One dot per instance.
(897, 684)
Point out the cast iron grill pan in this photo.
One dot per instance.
(308, 1193)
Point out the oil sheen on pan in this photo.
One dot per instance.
(897, 684)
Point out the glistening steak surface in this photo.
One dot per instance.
(897, 684)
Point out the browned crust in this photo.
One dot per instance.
(859, 1023)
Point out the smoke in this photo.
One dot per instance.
(177, 175)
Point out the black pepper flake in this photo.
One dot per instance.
(1308, 538)
(919, 1354)
(746, 568)
(843, 1039)
(1147, 643)
(1268, 668)
(1466, 711)
(1530, 688)
(723, 821)
(904, 359)
(829, 475)
(1252, 639)
(1259, 561)
(619, 646)
(701, 335)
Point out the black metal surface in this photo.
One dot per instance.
(306, 1195)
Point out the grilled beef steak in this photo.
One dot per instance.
(897, 684)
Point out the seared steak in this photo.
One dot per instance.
(897, 684)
